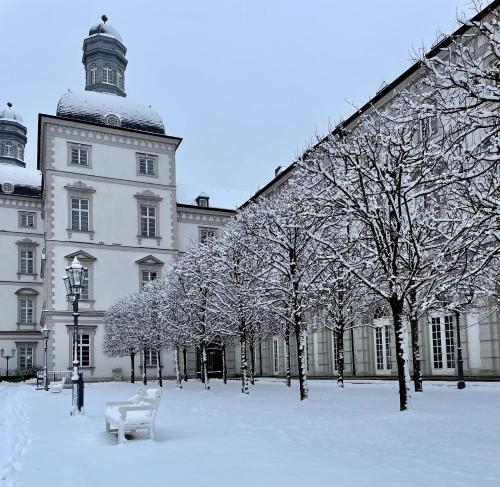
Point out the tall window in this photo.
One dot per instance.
(150, 357)
(148, 221)
(26, 261)
(85, 288)
(429, 126)
(383, 348)
(25, 357)
(276, 357)
(107, 74)
(20, 152)
(119, 78)
(9, 150)
(26, 307)
(80, 214)
(147, 165)
(79, 155)
(83, 350)
(443, 342)
(92, 74)
(335, 351)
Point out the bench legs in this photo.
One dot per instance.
(121, 434)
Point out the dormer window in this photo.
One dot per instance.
(202, 201)
(107, 75)
(92, 74)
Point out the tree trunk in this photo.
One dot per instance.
(144, 376)
(178, 381)
(158, 368)
(132, 367)
(252, 363)
(184, 357)
(340, 355)
(401, 334)
(287, 358)
(353, 353)
(205, 367)
(415, 347)
(301, 357)
(224, 365)
(244, 366)
(260, 358)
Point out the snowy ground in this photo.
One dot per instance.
(355, 437)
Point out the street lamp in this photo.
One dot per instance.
(74, 281)
(468, 295)
(45, 335)
(7, 357)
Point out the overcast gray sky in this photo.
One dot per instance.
(245, 83)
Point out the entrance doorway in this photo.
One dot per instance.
(214, 361)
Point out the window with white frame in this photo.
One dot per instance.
(85, 292)
(20, 152)
(26, 261)
(147, 165)
(79, 154)
(9, 150)
(383, 354)
(80, 214)
(276, 357)
(26, 310)
(150, 357)
(27, 219)
(148, 221)
(443, 342)
(335, 350)
(83, 350)
(25, 357)
(207, 234)
(147, 276)
(107, 74)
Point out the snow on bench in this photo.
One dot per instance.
(57, 386)
(136, 413)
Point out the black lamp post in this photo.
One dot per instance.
(7, 357)
(467, 296)
(45, 335)
(74, 281)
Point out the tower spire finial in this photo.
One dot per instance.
(104, 18)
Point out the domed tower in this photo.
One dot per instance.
(104, 59)
(12, 137)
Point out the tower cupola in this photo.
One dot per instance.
(104, 59)
(12, 137)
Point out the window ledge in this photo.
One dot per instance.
(90, 233)
(20, 274)
(140, 238)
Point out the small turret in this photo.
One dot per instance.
(104, 59)
(12, 137)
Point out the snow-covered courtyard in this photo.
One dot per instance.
(351, 437)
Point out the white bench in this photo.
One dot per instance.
(137, 413)
(57, 385)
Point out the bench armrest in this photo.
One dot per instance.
(125, 409)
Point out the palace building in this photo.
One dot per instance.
(107, 194)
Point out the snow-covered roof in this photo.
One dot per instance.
(105, 29)
(19, 180)
(219, 197)
(9, 114)
(92, 106)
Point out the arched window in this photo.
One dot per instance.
(92, 74)
(20, 152)
(107, 74)
(9, 150)
(119, 78)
